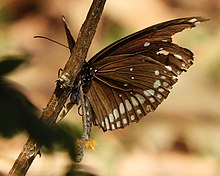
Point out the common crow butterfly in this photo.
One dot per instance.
(129, 78)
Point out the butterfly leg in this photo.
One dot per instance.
(64, 111)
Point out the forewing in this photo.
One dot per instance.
(149, 39)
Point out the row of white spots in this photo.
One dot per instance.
(157, 73)
(109, 121)
(151, 92)
(118, 123)
(113, 117)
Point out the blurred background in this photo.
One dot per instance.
(182, 137)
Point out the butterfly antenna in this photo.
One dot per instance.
(42, 37)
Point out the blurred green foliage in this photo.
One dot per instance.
(18, 114)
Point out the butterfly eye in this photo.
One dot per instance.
(129, 78)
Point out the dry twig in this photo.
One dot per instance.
(71, 69)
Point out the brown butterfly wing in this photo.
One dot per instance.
(132, 76)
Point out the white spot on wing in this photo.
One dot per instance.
(193, 20)
(131, 69)
(174, 77)
(118, 124)
(116, 113)
(165, 84)
(161, 90)
(128, 105)
(157, 84)
(152, 100)
(159, 96)
(169, 68)
(121, 108)
(125, 85)
(134, 101)
(124, 121)
(107, 123)
(178, 56)
(161, 51)
(157, 72)
(146, 44)
(132, 77)
(139, 111)
(148, 108)
(163, 77)
(149, 92)
(140, 98)
(113, 126)
(111, 118)
(132, 117)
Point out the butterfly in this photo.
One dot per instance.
(129, 78)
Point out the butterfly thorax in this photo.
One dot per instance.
(86, 74)
(84, 78)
